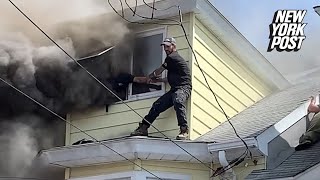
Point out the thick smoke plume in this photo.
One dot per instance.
(29, 61)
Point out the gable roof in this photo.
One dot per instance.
(297, 163)
(265, 113)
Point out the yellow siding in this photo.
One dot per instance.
(236, 89)
(101, 169)
(196, 171)
(235, 86)
(120, 120)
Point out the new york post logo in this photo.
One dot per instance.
(287, 30)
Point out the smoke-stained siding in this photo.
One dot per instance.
(119, 120)
(236, 87)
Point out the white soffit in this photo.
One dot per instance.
(131, 148)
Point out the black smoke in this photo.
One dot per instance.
(48, 75)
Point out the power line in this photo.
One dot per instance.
(103, 85)
(241, 157)
(134, 13)
(74, 126)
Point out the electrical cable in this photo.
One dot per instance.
(245, 153)
(154, 1)
(135, 7)
(119, 97)
(74, 126)
(215, 96)
(189, 44)
(103, 85)
(134, 12)
(122, 8)
(152, 7)
(144, 17)
(157, 9)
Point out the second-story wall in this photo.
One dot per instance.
(235, 86)
(118, 120)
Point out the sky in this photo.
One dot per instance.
(252, 19)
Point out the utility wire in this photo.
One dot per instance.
(74, 126)
(215, 96)
(103, 85)
(149, 18)
(152, 7)
(134, 13)
(241, 157)
(113, 92)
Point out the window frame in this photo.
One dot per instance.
(146, 33)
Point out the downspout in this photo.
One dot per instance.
(225, 164)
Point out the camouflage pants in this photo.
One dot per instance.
(313, 132)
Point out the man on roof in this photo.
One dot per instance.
(179, 78)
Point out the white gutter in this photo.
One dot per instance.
(132, 148)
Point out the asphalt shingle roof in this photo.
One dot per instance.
(263, 114)
(297, 163)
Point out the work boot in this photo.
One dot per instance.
(184, 132)
(303, 145)
(142, 130)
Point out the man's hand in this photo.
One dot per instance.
(156, 80)
(147, 80)
(141, 79)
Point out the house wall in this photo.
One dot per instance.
(120, 120)
(235, 86)
(196, 171)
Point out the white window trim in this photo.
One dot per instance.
(136, 175)
(147, 95)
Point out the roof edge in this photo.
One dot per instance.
(214, 147)
(132, 148)
(240, 46)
